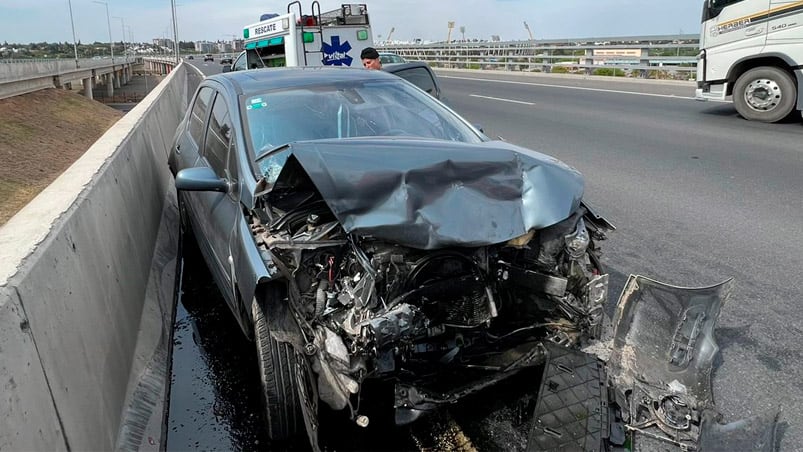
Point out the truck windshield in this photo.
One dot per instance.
(712, 8)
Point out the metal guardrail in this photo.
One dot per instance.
(645, 57)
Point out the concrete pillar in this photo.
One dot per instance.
(110, 84)
(117, 77)
(88, 84)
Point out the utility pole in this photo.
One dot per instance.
(387, 39)
(450, 24)
(463, 32)
(175, 30)
(109, 24)
(122, 29)
(74, 45)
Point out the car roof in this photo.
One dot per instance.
(257, 81)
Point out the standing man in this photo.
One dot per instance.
(370, 58)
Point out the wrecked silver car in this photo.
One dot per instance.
(360, 230)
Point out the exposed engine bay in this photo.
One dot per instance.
(373, 309)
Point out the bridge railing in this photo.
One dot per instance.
(17, 69)
(645, 57)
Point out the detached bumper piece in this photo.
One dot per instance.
(571, 413)
(660, 371)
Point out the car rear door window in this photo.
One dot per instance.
(218, 137)
(198, 115)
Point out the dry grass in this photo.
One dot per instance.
(41, 135)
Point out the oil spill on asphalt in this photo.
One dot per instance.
(214, 394)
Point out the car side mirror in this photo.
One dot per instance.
(200, 179)
(227, 68)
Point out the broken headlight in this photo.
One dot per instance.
(577, 242)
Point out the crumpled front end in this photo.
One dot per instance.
(440, 322)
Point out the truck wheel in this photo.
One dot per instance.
(277, 371)
(765, 94)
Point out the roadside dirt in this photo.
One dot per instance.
(41, 135)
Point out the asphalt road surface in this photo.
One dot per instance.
(698, 194)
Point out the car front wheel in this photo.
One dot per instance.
(277, 371)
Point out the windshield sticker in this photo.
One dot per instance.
(336, 54)
(256, 104)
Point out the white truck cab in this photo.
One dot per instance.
(334, 38)
(753, 50)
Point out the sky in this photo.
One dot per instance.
(25, 21)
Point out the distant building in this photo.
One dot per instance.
(205, 47)
(163, 42)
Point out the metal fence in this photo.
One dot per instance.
(666, 57)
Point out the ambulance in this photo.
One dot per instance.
(333, 38)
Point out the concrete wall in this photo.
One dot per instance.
(22, 69)
(87, 276)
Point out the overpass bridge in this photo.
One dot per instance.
(25, 76)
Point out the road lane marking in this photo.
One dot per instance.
(502, 100)
(580, 88)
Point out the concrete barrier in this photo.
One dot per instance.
(87, 277)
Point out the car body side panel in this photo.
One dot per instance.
(252, 267)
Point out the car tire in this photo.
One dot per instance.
(277, 371)
(750, 94)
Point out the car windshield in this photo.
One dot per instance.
(348, 110)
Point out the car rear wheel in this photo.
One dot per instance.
(765, 94)
(277, 371)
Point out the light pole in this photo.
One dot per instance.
(122, 29)
(74, 45)
(109, 24)
(175, 30)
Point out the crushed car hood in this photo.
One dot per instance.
(433, 194)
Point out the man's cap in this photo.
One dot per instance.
(369, 52)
